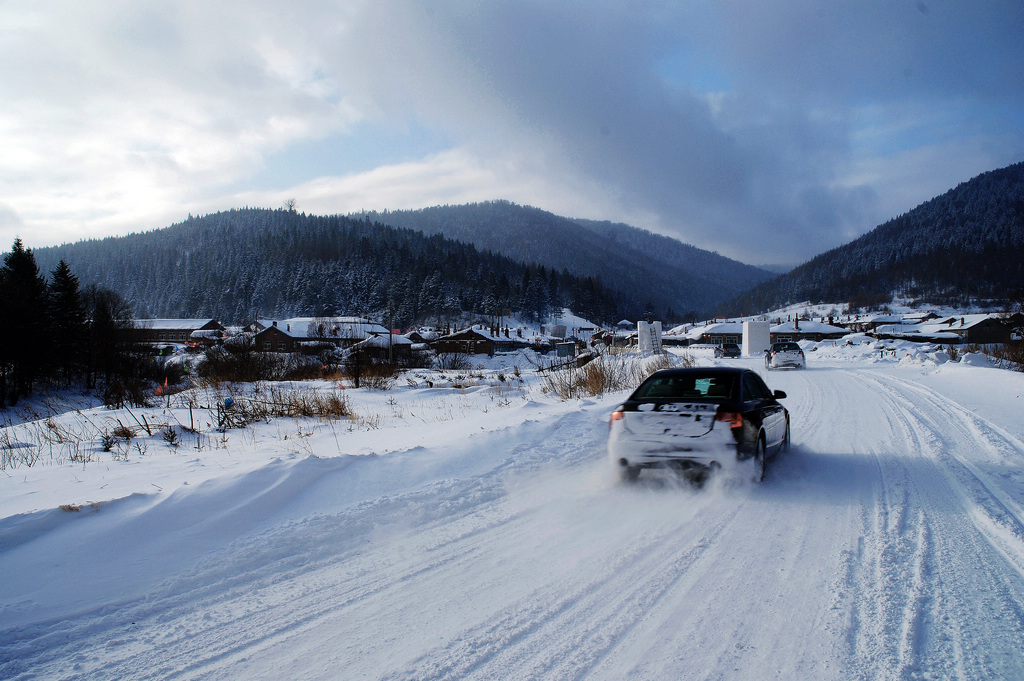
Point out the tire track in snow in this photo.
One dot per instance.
(955, 571)
(569, 625)
(891, 594)
(995, 511)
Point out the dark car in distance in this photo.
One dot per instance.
(696, 420)
(731, 350)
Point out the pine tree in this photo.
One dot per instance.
(23, 300)
(67, 314)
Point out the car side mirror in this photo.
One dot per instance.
(780, 395)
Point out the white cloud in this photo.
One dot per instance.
(128, 115)
(452, 177)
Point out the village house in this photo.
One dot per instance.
(308, 334)
(193, 333)
(423, 336)
(980, 329)
(472, 341)
(868, 323)
(397, 349)
(716, 334)
(806, 329)
(973, 328)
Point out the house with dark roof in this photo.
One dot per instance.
(190, 332)
(472, 341)
(309, 334)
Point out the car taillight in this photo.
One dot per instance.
(733, 418)
(617, 415)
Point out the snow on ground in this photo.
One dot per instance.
(469, 527)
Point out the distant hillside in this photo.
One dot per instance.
(964, 245)
(241, 264)
(676, 279)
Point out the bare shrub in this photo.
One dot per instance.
(119, 394)
(605, 373)
(241, 364)
(124, 432)
(1009, 355)
(14, 453)
(452, 361)
(380, 376)
(290, 403)
(58, 433)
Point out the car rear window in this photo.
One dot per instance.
(686, 387)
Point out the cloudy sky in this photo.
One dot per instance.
(767, 131)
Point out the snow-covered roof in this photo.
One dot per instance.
(486, 333)
(919, 332)
(346, 327)
(962, 322)
(807, 326)
(717, 329)
(570, 320)
(176, 324)
(382, 341)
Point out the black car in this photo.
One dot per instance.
(727, 350)
(696, 420)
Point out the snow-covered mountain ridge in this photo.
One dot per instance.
(959, 248)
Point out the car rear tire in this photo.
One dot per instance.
(759, 460)
(628, 474)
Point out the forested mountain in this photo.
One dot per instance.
(677, 280)
(962, 246)
(241, 264)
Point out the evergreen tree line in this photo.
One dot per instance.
(644, 267)
(963, 246)
(243, 264)
(57, 332)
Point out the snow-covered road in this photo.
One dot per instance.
(887, 544)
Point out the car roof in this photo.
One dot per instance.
(701, 371)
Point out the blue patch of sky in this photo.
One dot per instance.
(682, 68)
(884, 134)
(365, 147)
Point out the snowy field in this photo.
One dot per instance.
(470, 527)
